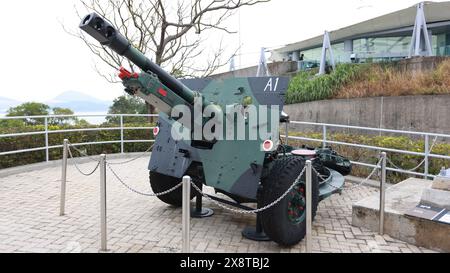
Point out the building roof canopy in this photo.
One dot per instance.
(434, 12)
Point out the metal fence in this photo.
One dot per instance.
(325, 128)
(427, 154)
(47, 132)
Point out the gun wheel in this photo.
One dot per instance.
(285, 222)
(161, 183)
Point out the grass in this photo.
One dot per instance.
(368, 80)
(307, 87)
(386, 80)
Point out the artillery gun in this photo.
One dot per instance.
(245, 169)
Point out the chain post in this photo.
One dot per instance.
(186, 214)
(308, 206)
(103, 239)
(382, 192)
(324, 132)
(64, 178)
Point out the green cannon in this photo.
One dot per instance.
(225, 134)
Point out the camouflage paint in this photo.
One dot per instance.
(234, 166)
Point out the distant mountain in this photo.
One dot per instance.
(6, 103)
(79, 102)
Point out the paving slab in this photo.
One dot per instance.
(30, 221)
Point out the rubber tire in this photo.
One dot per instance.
(275, 221)
(160, 183)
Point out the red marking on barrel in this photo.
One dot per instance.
(162, 92)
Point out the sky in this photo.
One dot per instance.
(39, 60)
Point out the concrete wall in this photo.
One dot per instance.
(420, 63)
(416, 113)
(289, 69)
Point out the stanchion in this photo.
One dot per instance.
(308, 206)
(62, 205)
(103, 243)
(186, 213)
(382, 191)
(199, 211)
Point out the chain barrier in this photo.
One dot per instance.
(420, 164)
(296, 182)
(219, 204)
(134, 159)
(139, 192)
(377, 167)
(83, 153)
(78, 167)
(225, 207)
(238, 211)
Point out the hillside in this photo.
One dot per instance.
(79, 102)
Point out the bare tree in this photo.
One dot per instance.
(167, 30)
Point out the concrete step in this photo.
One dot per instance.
(400, 199)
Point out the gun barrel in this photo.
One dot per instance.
(97, 27)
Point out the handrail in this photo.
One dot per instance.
(81, 116)
(122, 127)
(23, 134)
(427, 154)
(369, 147)
(370, 129)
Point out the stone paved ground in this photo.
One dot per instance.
(29, 221)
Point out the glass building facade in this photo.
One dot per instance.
(376, 49)
(384, 38)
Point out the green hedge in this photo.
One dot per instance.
(370, 156)
(356, 154)
(36, 141)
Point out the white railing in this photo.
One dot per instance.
(427, 154)
(46, 132)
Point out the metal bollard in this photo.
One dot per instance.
(427, 157)
(103, 239)
(62, 204)
(382, 192)
(186, 214)
(308, 206)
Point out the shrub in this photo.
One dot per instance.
(370, 156)
(55, 139)
(355, 154)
